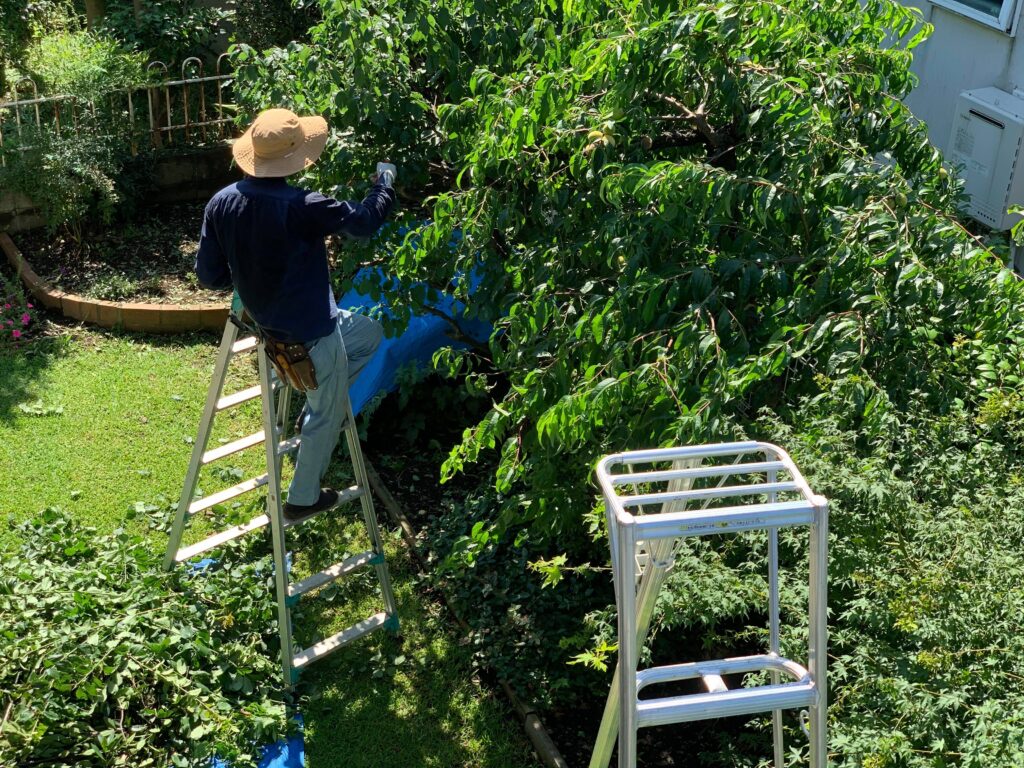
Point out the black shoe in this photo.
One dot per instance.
(328, 500)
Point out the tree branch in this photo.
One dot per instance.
(456, 331)
(698, 117)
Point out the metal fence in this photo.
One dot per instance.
(187, 111)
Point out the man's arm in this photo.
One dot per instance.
(327, 216)
(211, 264)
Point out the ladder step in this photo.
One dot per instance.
(334, 642)
(751, 517)
(244, 345)
(720, 470)
(728, 703)
(243, 396)
(249, 441)
(227, 494)
(718, 492)
(233, 447)
(346, 495)
(336, 571)
(221, 538)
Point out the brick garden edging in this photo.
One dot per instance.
(130, 316)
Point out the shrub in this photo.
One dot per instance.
(110, 661)
(83, 64)
(925, 573)
(263, 25)
(16, 312)
(20, 23)
(15, 33)
(70, 177)
(166, 30)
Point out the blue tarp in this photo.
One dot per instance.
(287, 753)
(421, 339)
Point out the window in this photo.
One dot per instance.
(995, 13)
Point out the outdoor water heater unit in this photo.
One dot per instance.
(985, 146)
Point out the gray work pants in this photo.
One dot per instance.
(338, 358)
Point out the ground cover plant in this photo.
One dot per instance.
(700, 221)
(109, 661)
(16, 312)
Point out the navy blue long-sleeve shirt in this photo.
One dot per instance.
(266, 239)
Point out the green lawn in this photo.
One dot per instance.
(95, 422)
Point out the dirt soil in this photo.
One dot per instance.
(149, 259)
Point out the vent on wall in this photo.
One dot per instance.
(985, 147)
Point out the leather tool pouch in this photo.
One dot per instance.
(292, 363)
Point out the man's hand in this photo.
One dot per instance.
(386, 173)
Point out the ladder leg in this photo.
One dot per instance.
(284, 399)
(774, 646)
(276, 518)
(647, 595)
(205, 426)
(651, 580)
(773, 620)
(369, 515)
(628, 650)
(817, 651)
(609, 730)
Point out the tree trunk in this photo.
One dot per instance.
(94, 11)
(138, 5)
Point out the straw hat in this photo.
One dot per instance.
(280, 143)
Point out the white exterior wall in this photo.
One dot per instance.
(962, 54)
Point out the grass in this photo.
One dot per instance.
(95, 422)
(411, 701)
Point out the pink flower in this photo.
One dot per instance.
(16, 334)
(10, 322)
(29, 305)
(7, 306)
(26, 319)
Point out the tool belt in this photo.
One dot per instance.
(292, 363)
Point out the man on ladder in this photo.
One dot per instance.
(266, 238)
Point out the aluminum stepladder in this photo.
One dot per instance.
(240, 338)
(645, 529)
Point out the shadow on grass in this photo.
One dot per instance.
(22, 366)
(406, 716)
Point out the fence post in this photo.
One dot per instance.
(160, 111)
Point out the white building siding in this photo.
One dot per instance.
(962, 54)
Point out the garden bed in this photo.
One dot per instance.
(147, 260)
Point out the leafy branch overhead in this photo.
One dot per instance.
(645, 290)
